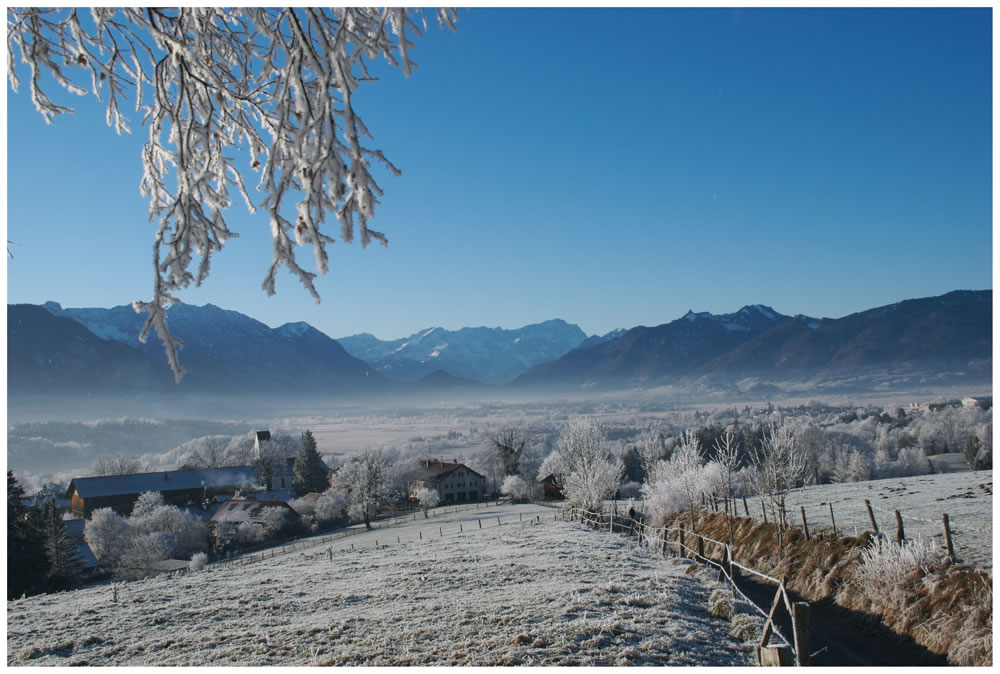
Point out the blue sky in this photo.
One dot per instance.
(609, 167)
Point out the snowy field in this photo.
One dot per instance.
(966, 497)
(524, 591)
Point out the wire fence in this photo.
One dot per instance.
(718, 554)
(276, 549)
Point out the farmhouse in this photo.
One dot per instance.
(454, 481)
(179, 487)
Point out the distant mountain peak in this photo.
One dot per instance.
(296, 329)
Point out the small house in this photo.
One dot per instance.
(551, 487)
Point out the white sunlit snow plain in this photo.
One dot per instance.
(965, 496)
(530, 591)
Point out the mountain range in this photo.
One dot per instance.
(946, 335)
(52, 349)
(490, 355)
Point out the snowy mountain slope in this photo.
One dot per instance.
(547, 593)
(491, 355)
(594, 340)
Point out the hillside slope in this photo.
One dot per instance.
(545, 593)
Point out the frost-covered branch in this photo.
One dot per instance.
(274, 85)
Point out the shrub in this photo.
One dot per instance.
(720, 605)
(249, 533)
(886, 562)
(744, 628)
(514, 486)
(199, 561)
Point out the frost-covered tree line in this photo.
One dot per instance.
(226, 93)
(724, 454)
(153, 532)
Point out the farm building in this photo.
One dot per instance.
(234, 512)
(179, 487)
(552, 488)
(454, 481)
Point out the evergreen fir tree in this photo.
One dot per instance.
(65, 565)
(27, 565)
(310, 471)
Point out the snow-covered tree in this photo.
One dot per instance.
(310, 473)
(514, 486)
(248, 533)
(428, 498)
(365, 479)
(679, 481)
(117, 465)
(588, 469)
(215, 84)
(332, 505)
(911, 461)
(652, 448)
(186, 532)
(141, 553)
(105, 532)
(779, 466)
(147, 502)
(275, 521)
(507, 443)
(208, 452)
(727, 455)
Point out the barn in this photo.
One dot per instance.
(179, 487)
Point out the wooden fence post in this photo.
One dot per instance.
(663, 548)
(763, 510)
(947, 536)
(871, 515)
(899, 528)
(800, 629)
(833, 521)
(701, 546)
(746, 509)
(680, 541)
(805, 525)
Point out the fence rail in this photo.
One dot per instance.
(794, 651)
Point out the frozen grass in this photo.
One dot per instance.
(886, 562)
(966, 496)
(531, 592)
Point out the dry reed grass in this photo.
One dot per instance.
(916, 592)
